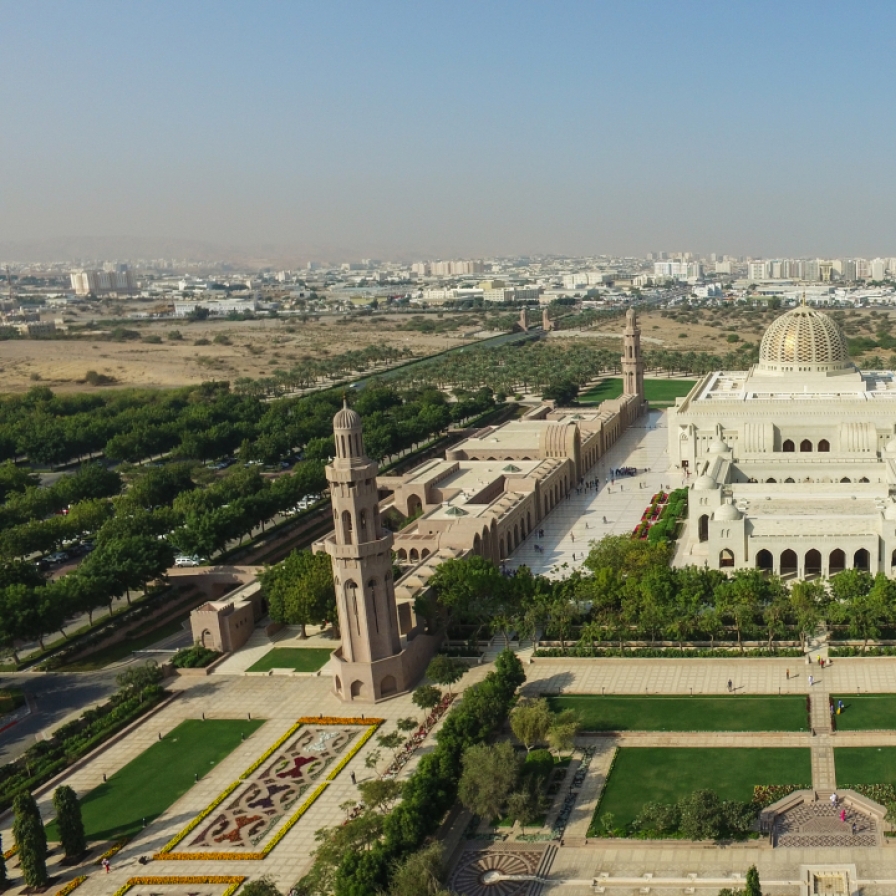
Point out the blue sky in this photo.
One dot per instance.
(339, 129)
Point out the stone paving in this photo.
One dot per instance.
(579, 519)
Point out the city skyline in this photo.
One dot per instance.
(398, 131)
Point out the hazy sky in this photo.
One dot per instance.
(340, 129)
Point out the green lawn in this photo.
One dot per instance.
(871, 713)
(736, 713)
(149, 784)
(300, 659)
(865, 765)
(655, 391)
(656, 774)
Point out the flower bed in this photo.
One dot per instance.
(413, 742)
(71, 886)
(166, 851)
(160, 881)
(765, 795)
(115, 848)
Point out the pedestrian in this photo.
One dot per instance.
(729, 685)
(106, 865)
(833, 799)
(354, 780)
(811, 681)
(853, 829)
(605, 520)
(788, 674)
(843, 816)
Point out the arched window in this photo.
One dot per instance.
(770, 479)
(346, 527)
(846, 479)
(824, 445)
(893, 559)
(726, 559)
(788, 563)
(864, 479)
(414, 556)
(861, 559)
(787, 446)
(703, 527)
(805, 445)
(764, 560)
(813, 563)
(477, 544)
(836, 562)
(351, 604)
(789, 479)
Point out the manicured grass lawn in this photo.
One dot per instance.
(159, 776)
(300, 659)
(655, 774)
(865, 765)
(872, 713)
(736, 713)
(658, 391)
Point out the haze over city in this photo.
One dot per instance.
(405, 130)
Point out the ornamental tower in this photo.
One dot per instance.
(632, 363)
(372, 662)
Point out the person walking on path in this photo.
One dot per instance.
(811, 681)
(106, 865)
(788, 674)
(730, 686)
(354, 779)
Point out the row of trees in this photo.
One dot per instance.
(628, 591)
(209, 421)
(535, 366)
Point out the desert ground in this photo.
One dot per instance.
(153, 355)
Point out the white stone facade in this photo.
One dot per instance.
(792, 463)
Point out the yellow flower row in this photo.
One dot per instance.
(199, 818)
(11, 852)
(116, 847)
(267, 753)
(336, 720)
(71, 885)
(351, 753)
(174, 881)
(258, 856)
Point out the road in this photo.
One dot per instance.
(53, 696)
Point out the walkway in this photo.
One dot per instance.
(579, 519)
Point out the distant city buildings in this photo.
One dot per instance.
(118, 279)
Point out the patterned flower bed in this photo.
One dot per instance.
(413, 742)
(273, 793)
(181, 886)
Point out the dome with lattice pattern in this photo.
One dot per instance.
(803, 340)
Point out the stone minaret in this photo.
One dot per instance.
(632, 363)
(361, 550)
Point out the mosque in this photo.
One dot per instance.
(792, 463)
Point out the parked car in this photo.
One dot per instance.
(184, 560)
(58, 557)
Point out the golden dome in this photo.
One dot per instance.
(804, 340)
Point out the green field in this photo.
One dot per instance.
(655, 391)
(299, 659)
(160, 775)
(656, 774)
(872, 713)
(865, 765)
(737, 713)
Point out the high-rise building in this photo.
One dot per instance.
(119, 280)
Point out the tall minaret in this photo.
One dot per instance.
(360, 551)
(632, 363)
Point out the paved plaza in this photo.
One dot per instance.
(579, 519)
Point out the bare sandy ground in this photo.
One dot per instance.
(256, 349)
